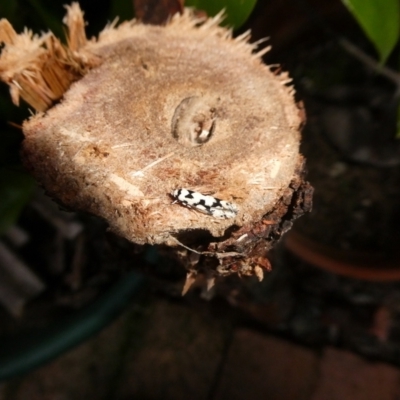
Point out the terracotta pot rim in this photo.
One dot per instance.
(371, 266)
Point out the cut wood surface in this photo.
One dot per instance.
(164, 108)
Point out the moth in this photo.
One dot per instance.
(205, 204)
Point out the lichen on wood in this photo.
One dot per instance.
(184, 105)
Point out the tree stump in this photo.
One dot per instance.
(156, 109)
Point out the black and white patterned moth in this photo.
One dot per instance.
(206, 204)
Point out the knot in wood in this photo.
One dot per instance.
(194, 120)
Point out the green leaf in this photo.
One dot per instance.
(16, 188)
(237, 11)
(380, 20)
